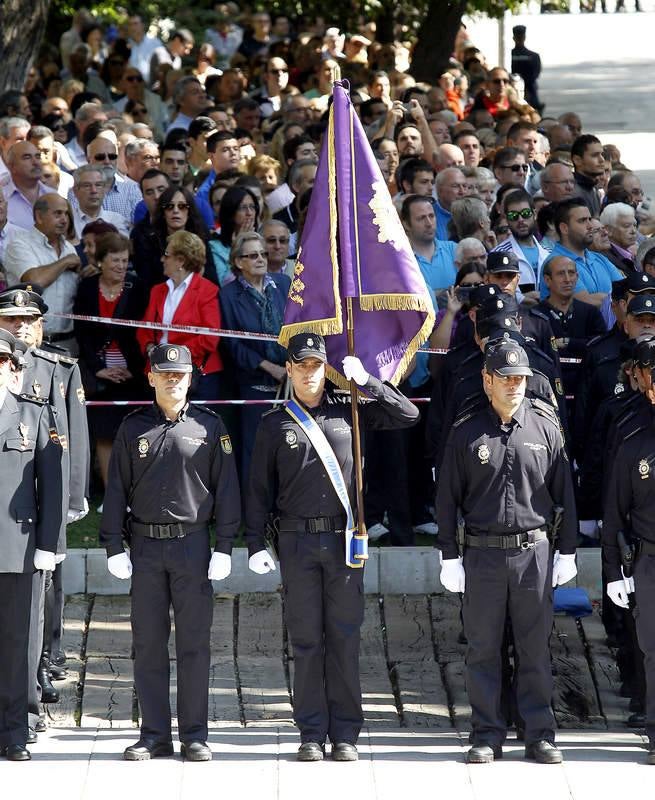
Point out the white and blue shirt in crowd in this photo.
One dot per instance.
(439, 273)
(595, 272)
(531, 259)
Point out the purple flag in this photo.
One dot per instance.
(354, 245)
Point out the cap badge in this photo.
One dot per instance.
(144, 446)
(648, 303)
(484, 453)
(505, 260)
(644, 278)
(21, 299)
(512, 358)
(172, 354)
(619, 388)
(310, 342)
(644, 468)
(499, 303)
(492, 290)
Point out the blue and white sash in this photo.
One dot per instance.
(356, 544)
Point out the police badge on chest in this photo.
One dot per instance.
(484, 454)
(291, 438)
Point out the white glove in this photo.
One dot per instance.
(564, 568)
(618, 592)
(452, 575)
(59, 557)
(353, 369)
(75, 514)
(261, 562)
(220, 566)
(120, 566)
(43, 560)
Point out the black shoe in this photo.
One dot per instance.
(637, 720)
(32, 737)
(310, 751)
(40, 725)
(57, 673)
(58, 658)
(483, 754)
(543, 752)
(48, 692)
(16, 752)
(195, 751)
(342, 751)
(145, 749)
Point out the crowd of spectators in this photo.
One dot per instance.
(169, 181)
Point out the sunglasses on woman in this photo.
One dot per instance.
(178, 206)
(254, 256)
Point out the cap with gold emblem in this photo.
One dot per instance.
(641, 304)
(505, 357)
(170, 358)
(22, 300)
(306, 345)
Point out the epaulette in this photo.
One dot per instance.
(54, 357)
(470, 357)
(41, 401)
(537, 312)
(273, 410)
(540, 352)
(637, 430)
(544, 409)
(66, 359)
(601, 337)
(207, 410)
(463, 418)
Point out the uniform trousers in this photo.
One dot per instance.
(35, 645)
(55, 628)
(514, 583)
(324, 610)
(15, 598)
(644, 575)
(172, 572)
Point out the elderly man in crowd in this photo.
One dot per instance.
(621, 224)
(24, 186)
(89, 189)
(12, 130)
(43, 256)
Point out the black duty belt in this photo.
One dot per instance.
(506, 541)
(175, 530)
(313, 525)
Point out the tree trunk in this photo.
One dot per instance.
(21, 32)
(436, 39)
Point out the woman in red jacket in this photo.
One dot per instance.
(186, 298)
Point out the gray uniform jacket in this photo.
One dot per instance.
(31, 494)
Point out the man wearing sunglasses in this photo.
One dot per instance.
(511, 166)
(522, 221)
(122, 195)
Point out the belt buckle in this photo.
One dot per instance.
(527, 545)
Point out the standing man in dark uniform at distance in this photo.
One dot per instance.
(172, 472)
(630, 510)
(324, 598)
(527, 64)
(55, 378)
(506, 471)
(31, 499)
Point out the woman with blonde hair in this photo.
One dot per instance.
(186, 298)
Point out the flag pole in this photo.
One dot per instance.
(359, 477)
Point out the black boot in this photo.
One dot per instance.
(48, 692)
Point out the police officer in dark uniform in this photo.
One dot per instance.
(323, 597)
(31, 495)
(602, 356)
(55, 378)
(628, 532)
(172, 472)
(505, 472)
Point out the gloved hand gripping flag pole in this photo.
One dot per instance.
(355, 264)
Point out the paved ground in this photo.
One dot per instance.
(417, 715)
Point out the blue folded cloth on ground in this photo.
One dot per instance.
(575, 602)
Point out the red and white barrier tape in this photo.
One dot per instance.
(218, 332)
